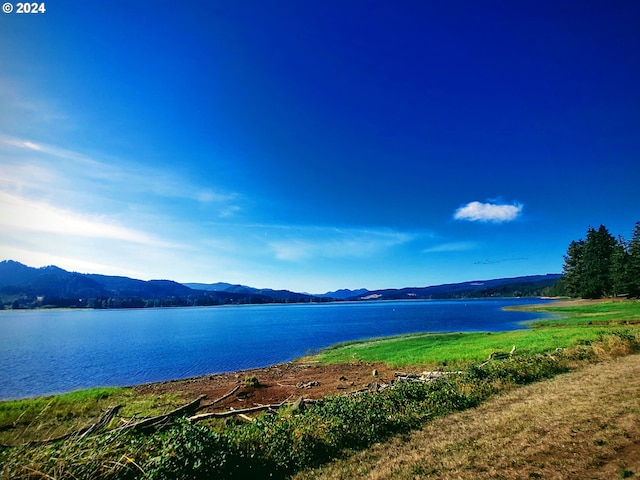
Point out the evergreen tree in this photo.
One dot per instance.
(601, 265)
(620, 268)
(597, 260)
(634, 262)
(573, 269)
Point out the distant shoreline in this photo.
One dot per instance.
(232, 305)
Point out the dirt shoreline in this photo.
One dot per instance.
(275, 383)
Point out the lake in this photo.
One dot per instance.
(54, 351)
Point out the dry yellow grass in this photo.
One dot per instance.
(583, 425)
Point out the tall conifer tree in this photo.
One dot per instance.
(573, 269)
(634, 262)
(601, 265)
(597, 260)
(620, 268)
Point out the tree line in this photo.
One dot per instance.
(602, 265)
(22, 302)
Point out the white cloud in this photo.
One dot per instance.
(37, 233)
(20, 214)
(42, 258)
(488, 212)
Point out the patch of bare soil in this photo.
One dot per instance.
(276, 383)
(585, 424)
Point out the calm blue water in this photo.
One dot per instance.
(54, 351)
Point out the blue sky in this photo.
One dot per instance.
(317, 145)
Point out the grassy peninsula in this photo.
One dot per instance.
(572, 323)
(301, 436)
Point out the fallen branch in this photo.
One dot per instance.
(160, 421)
(501, 355)
(102, 422)
(424, 376)
(246, 417)
(297, 405)
(498, 356)
(230, 413)
(218, 400)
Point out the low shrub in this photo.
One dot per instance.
(523, 371)
(617, 343)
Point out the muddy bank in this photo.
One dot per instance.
(275, 383)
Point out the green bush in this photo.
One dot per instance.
(522, 372)
(187, 452)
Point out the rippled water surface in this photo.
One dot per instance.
(54, 351)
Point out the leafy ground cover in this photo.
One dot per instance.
(279, 445)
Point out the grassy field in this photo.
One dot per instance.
(590, 312)
(280, 445)
(582, 425)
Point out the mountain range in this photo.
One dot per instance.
(22, 286)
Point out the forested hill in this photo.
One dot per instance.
(49, 287)
(528, 286)
(27, 287)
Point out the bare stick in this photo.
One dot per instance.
(162, 420)
(218, 400)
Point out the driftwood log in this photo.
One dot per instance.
(160, 421)
(499, 356)
(297, 405)
(230, 413)
(104, 420)
(218, 400)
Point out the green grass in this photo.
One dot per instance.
(594, 313)
(570, 326)
(81, 402)
(48, 417)
(456, 350)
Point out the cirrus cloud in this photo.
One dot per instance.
(304, 243)
(450, 247)
(488, 212)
